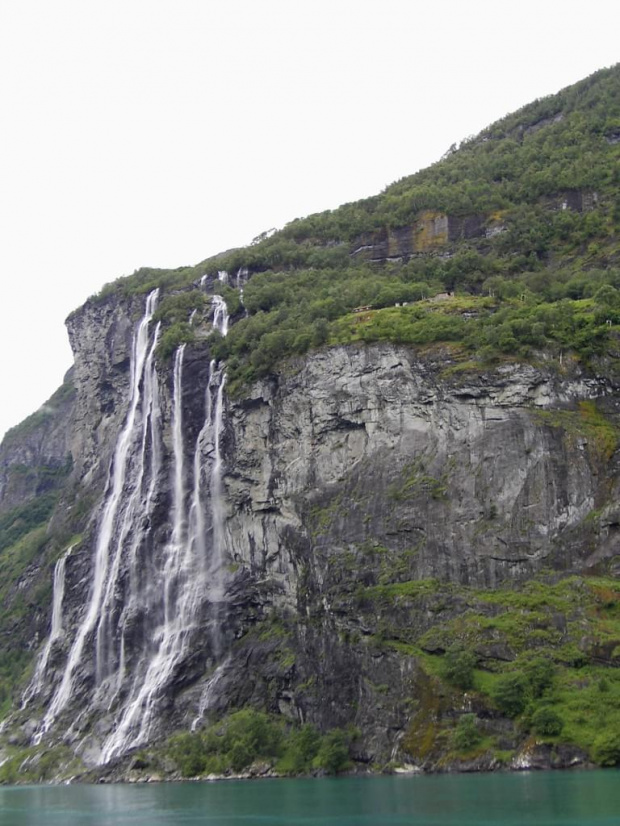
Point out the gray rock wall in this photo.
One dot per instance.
(351, 468)
(476, 475)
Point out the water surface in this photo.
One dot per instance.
(525, 799)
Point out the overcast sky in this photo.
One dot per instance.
(158, 132)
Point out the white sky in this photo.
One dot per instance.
(158, 132)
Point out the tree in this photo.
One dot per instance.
(466, 734)
(546, 721)
(540, 672)
(606, 749)
(333, 755)
(459, 664)
(511, 693)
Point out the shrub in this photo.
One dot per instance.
(511, 693)
(250, 735)
(540, 672)
(603, 685)
(187, 751)
(302, 747)
(606, 750)
(547, 722)
(333, 755)
(179, 333)
(466, 735)
(459, 666)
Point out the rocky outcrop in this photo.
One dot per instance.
(431, 231)
(35, 456)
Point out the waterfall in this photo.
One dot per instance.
(217, 498)
(36, 684)
(192, 565)
(133, 509)
(242, 273)
(220, 315)
(208, 454)
(107, 552)
(178, 501)
(148, 601)
(207, 694)
(180, 598)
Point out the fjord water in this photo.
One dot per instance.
(525, 799)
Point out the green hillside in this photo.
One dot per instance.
(520, 222)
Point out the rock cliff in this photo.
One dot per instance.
(369, 496)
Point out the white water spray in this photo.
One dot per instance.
(108, 522)
(147, 602)
(242, 273)
(220, 315)
(180, 604)
(208, 691)
(56, 630)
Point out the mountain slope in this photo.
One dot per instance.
(356, 483)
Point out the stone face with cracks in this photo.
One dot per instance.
(374, 445)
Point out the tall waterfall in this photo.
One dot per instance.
(119, 510)
(192, 567)
(209, 444)
(56, 630)
(178, 611)
(208, 542)
(149, 599)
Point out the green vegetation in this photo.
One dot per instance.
(45, 413)
(246, 737)
(466, 735)
(459, 664)
(529, 245)
(511, 693)
(503, 647)
(39, 765)
(21, 520)
(606, 749)
(547, 722)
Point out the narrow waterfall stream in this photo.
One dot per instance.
(209, 443)
(56, 630)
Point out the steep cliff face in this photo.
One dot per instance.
(475, 475)
(305, 552)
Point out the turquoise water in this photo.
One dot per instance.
(543, 799)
